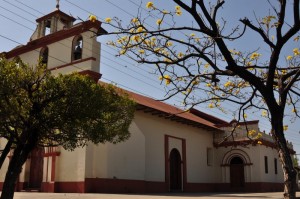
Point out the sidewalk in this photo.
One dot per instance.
(273, 195)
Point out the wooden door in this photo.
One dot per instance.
(237, 178)
(36, 168)
(175, 171)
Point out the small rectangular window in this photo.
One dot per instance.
(209, 154)
(275, 165)
(266, 165)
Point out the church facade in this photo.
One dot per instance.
(169, 150)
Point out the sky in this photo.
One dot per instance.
(17, 22)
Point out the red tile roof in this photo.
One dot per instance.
(171, 112)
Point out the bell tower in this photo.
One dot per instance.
(52, 22)
(63, 45)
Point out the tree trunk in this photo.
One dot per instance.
(14, 169)
(289, 172)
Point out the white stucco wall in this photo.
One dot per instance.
(270, 176)
(31, 57)
(6, 162)
(70, 165)
(125, 160)
(198, 140)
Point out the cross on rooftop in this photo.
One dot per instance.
(57, 4)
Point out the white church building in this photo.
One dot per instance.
(169, 150)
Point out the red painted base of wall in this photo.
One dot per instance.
(251, 187)
(99, 185)
(69, 187)
(48, 187)
(199, 187)
(19, 186)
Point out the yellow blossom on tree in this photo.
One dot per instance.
(180, 55)
(285, 127)
(135, 38)
(150, 5)
(294, 110)
(255, 55)
(122, 52)
(267, 19)
(158, 21)
(157, 50)
(284, 72)
(259, 142)
(296, 38)
(141, 51)
(178, 13)
(140, 29)
(165, 12)
(167, 60)
(92, 18)
(206, 65)
(227, 84)
(259, 135)
(251, 132)
(208, 85)
(168, 79)
(108, 20)
(169, 43)
(192, 35)
(147, 42)
(272, 37)
(178, 10)
(134, 20)
(245, 115)
(166, 53)
(289, 57)
(195, 82)
(296, 51)
(197, 39)
(211, 105)
(264, 113)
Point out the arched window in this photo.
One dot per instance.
(77, 48)
(44, 55)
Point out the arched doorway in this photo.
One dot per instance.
(175, 171)
(237, 177)
(36, 168)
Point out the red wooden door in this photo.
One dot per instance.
(36, 168)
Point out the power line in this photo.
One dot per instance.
(29, 7)
(20, 8)
(23, 26)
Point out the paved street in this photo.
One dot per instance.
(22, 195)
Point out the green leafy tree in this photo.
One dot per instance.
(199, 60)
(38, 109)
